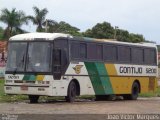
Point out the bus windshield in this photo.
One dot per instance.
(39, 57)
(34, 58)
(16, 56)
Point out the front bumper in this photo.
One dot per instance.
(28, 90)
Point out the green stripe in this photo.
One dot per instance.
(29, 77)
(99, 78)
(32, 77)
(104, 80)
(26, 77)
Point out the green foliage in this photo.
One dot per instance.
(10, 98)
(136, 38)
(100, 30)
(13, 19)
(1, 87)
(151, 94)
(67, 28)
(39, 19)
(106, 31)
(64, 27)
(122, 35)
(1, 33)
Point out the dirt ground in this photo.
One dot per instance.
(141, 106)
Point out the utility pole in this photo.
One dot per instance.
(46, 27)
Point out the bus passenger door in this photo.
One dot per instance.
(57, 64)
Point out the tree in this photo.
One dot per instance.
(14, 20)
(40, 18)
(106, 31)
(1, 33)
(100, 30)
(122, 35)
(64, 27)
(136, 38)
(67, 28)
(125, 36)
(50, 25)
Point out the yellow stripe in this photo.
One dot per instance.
(111, 69)
(40, 77)
(123, 84)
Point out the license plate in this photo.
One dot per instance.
(24, 87)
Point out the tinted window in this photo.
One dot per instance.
(83, 50)
(153, 56)
(124, 54)
(75, 50)
(100, 52)
(137, 55)
(91, 51)
(149, 56)
(110, 53)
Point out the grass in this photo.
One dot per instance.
(21, 98)
(24, 98)
(10, 98)
(151, 94)
(1, 86)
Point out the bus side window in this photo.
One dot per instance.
(150, 56)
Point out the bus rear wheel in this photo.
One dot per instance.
(71, 92)
(134, 94)
(33, 98)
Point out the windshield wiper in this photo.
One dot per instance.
(19, 64)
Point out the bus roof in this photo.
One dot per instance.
(128, 43)
(52, 36)
(32, 36)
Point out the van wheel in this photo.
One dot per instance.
(33, 98)
(134, 94)
(71, 92)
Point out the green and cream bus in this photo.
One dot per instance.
(55, 64)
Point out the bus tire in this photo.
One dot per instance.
(33, 98)
(134, 94)
(71, 95)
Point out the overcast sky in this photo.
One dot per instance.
(137, 16)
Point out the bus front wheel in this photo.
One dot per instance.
(134, 94)
(71, 92)
(33, 98)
